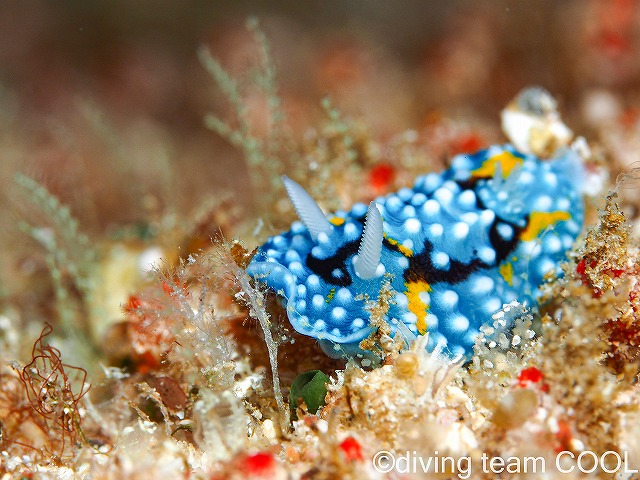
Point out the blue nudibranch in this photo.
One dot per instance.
(458, 245)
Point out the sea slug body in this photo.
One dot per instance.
(457, 246)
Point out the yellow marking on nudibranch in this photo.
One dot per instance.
(330, 296)
(416, 305)
(337, 221)
(407, 252)
(507, 160)
(538, 221)
(506, 270)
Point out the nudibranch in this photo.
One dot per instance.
(455, 248)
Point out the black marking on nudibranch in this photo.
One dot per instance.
(421, 268)
(325, 267)
(502, 246)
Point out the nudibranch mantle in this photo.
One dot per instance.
(458, 245)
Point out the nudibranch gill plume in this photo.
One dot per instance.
(455, 247)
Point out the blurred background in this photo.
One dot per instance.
(103, 102)
(71, 71)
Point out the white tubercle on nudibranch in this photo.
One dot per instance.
(533, 125)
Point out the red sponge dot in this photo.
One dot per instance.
(351, 449)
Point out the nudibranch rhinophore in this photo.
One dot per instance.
(457, 246)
